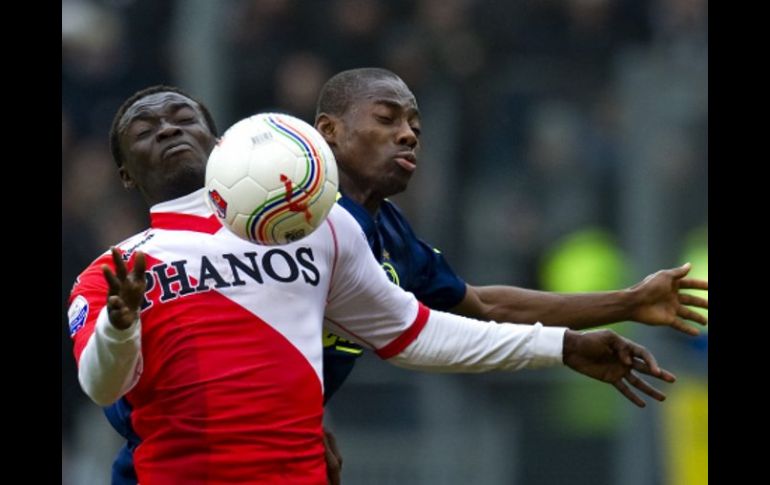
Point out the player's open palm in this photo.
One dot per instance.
(125, 289)
(608, 357)
(662, 303)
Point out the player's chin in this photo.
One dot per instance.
(187, 178)
(192, 165)
(398, 183)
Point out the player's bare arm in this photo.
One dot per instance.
(608, 357)
(125, 290)
(657, 300)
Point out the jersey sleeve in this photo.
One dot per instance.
(363, 304)
(366, 307)
(436, 284)
(87, 298)
(452, 343)
(440, 287)
(109, 360)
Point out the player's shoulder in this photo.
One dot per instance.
(390, 206)
(126, 247)
(129, 245)
(344, 232)
(391, 213)
(343, 221)
(393, 219)
(338, 212)
(136, 242)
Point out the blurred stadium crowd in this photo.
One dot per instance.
(549, 126)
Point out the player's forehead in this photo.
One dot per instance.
(155, 105)
(388, 92)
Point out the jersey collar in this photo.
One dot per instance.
(186, 213)
(365, 220)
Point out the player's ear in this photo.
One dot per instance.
(128, 182)
(327, 127)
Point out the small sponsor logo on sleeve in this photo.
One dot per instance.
(77, 314)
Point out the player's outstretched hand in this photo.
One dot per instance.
(660, 301)
(608, 357)
(125, 289)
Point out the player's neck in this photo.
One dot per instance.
(360, 193)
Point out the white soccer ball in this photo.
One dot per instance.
(271, 179)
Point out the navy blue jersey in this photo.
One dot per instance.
(409, 262)
(119, 416)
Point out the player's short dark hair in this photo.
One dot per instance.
(117, 153)
(344, 88)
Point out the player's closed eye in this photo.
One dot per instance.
(142, 132)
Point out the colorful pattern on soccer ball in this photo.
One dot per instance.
(265, 219)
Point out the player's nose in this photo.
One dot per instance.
(406, 136)
(166, 130)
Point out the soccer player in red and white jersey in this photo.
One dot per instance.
(215, 344)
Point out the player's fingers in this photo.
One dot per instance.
(692, 283)
(689, 314)
(678, 324)
(641, 366)
(692, 300)
(646, 356)
(332, 441)
(620, 386)
(681, 326)
(126, 314)
(119, 313)
(120, 266)
(114, 303)
(333, 462)
(681, 271)
(139, 266)
(646, 388)
(112, 282)
(116, 310)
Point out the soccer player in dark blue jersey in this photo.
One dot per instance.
(371, 120)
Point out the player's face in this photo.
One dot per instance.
(380, 138)
(166, 143)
